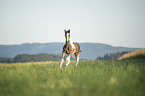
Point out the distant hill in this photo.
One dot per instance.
(90, 51)
(137, 54)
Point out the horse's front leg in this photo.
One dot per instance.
(68, 59)
(62, 60)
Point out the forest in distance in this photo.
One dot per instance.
(30, 58)
(112, 56)
(53, 57)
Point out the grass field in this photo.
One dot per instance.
(90, 78)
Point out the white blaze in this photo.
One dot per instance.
(71, 43)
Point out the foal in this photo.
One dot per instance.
(70, 48)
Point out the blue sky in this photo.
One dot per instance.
(114, 22)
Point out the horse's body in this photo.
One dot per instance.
(70, 48)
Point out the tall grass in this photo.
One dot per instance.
(90, 78)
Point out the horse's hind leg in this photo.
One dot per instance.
(62, 60)
(77, 58)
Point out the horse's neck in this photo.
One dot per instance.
(70, 41)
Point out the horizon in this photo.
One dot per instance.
(116, 23)
(64, 43)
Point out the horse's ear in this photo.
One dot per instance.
(64, 31)
(68, 30)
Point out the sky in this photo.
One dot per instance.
(113, 22)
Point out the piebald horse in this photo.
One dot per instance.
(70, 48)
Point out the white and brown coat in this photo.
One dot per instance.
(70, 48)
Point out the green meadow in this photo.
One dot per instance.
(90, 78)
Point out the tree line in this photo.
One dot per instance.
(30, 58)
(112, 56)
(53, 57)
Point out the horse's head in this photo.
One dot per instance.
(67, 35)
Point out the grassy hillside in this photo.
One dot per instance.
(91, 78)
(137, 54)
